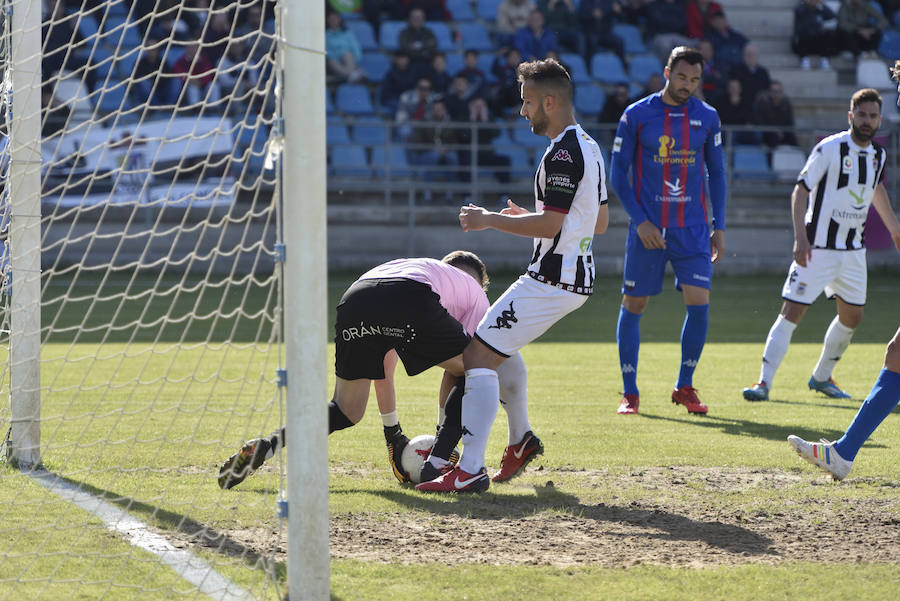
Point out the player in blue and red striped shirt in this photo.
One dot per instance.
(671, 142)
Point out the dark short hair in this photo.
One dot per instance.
(865, 95)
(547, 73)
(691, 56)
(463, 258)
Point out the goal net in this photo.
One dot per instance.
(141, 299)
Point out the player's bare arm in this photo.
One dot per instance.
(602, 219)
(717, 245)
(650, 235)
(545, 224)
(882, 204)
(802, 249)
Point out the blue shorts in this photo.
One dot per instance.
(687, 249)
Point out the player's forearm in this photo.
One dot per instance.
(531, 225)
(619, 181)
(799, 199)
(602, 219)
(717, 193)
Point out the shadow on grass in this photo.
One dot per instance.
(745, 427)
(664, 525)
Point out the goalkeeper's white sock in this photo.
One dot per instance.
(837, 339)
(389, 419)
(479, 408)
(777, 344)
(514, 396)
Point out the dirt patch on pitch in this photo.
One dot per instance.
(671, 524)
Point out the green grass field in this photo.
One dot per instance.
(658, 506)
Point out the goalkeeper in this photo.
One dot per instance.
(421, 311)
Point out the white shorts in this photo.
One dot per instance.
(838, 272)
(525, 311)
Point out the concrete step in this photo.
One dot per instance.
(798, 82)
(762, 24)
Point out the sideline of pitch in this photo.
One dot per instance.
(187, 565)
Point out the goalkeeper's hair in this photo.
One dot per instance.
(463, 259)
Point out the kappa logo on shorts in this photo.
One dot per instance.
(506, 318)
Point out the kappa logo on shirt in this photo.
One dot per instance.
(562, 155)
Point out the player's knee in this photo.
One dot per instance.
(892, 355)
(635, 304)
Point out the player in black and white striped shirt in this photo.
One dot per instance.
(841, 179)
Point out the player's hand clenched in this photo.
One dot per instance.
(802, 251)
(473, 218)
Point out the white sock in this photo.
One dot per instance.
(479, 408)
(837, 339)
(514, 396)
(437, 461)
(777, 344)
(389, 419)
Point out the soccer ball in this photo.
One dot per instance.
(414, 455)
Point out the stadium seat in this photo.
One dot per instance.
(122, 33)
(577, 69)
(606, 67)
(889, 47)
(523, 136)
(485, 63)
(336, 133)
(389, 34)
(455, 63)
(444, 36)
(461, 10)
(353, 99)
(375, 65)
(520, 165)
(395, 160)
(349, 161)
(487, 9)
(87, 26)
(365, 35)
(370, 134)
(642, 66)
(589, 99)
(873, 73)
(631, 38)
(474, 36)
(113, 98)
(329, 104)
(750, 162)
(787, 162)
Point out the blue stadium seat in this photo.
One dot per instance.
(375, 65)
(631, 38)
(399, 167)
(444, 36)
(113, 98)
(329, 104)
(455, 63)
(336, 133)
(349, 161)
(485, 62)
(641, 66)
(389, 34)
(118, 9)
(461, 10)
(365, 35)
(519, 162)
(475, 36)
(589, 99)
(487, 9)
(87, 26)
(353, 99)
(370, 134)
(750, 162)
(122, 33)
(889, 47)
(523, 136)
(606, 67)
(577, 68)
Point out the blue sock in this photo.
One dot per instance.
(628, 336)
(693, 337)
(880, 402)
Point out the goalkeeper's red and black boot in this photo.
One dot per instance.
(396, 441)
(243, 463)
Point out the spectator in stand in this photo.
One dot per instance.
(654, 84)
(64, 48)
(342, 50)
(860, 26)
(150, 84)
(457, 100)
(196, 77)
(476, 77)
(560, 18)
(597, 18)
(727, 42)
(417, 40)
(615, 104)
(239, 76)
(486, 157)
(437, 74)
(512, 15)
(415, 105)
(754, 77)
(666, 26)
(434, 145)
(534, 40)
(507, 94)
(698, 13)
(891, 9)
(774, 108)
(734, 110)
(713, 85)
(399, 78)
(435, 10)
(810, 35)
(216, 35)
